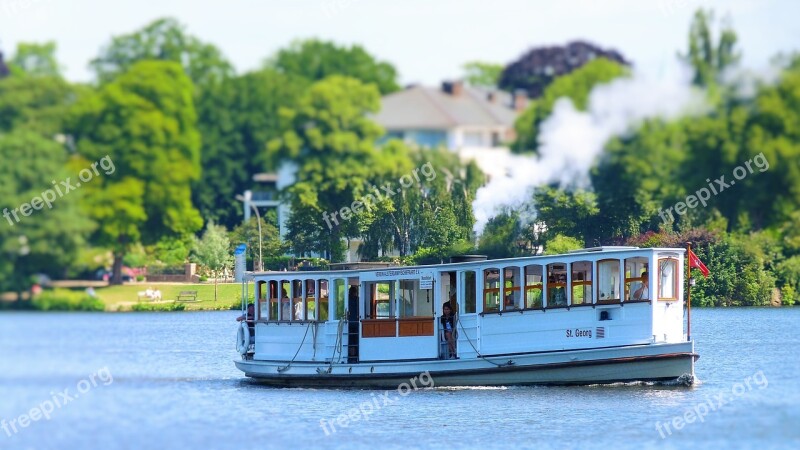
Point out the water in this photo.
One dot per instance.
(166, 380)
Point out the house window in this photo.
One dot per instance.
(581, 283)
(668, 279)
(473, 139)
(533, 286)
(608, 281)
(556, 285)
(491, 290)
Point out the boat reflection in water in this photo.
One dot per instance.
(599, 315)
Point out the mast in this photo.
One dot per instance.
(689, 294)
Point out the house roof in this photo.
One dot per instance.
(422, 107)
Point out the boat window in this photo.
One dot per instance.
(339, 296)
(323, 300)
(285, 312)
(469, 283)
(262, 303)
(581, 283)
(608, 281)
(380, 295)
(310, 299)
(556, 285)
(512, 296)
(533, 286)
(274, 301)
(491, 290)
(298, 311)
(634, 269)
(415, 302)
(668, 279)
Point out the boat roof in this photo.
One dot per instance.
(594, 252)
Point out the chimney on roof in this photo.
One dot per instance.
(520, 100)
(454, 88)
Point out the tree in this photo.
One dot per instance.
(316, 60)
(330, 139)
(41, 231)
(212, 251)
(38, 60)
(247, 233)
(144, 123)
(560, 244)
(540, 66)
(501, 234)
(237, 118)
(709, 60)
(480, 73)
(569, 213)
(164, 39)
(37, 103)
(576, 86)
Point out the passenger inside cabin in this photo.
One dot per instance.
(449, 327)
(643, 293)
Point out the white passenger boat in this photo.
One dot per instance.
(584, 317)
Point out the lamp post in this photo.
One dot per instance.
(246, 199)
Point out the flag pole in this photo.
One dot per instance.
(689, 294)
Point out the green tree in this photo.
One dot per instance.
(212, 251)
(163, 39)
(575, 86)
(567, 213)
(237, 117)
(708, 59)
(331, 142)
(36, 235)
(561, 244)
(247, 233)
(481, 73)
(37, 60)
(316, 60)
(501, 235)
(144, 123)
(39, 103)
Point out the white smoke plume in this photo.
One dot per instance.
(570, 140)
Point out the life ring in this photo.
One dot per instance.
(243, 338)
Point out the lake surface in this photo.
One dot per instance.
(167, 381)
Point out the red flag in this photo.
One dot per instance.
(694, 261)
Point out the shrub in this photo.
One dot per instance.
(788, 296)
(66, 300)
(144, 307)
(140, 278)
(203, 278)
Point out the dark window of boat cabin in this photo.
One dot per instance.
(491, 290)
(668, 279)
(581, 283)
(534, 287)
(340, 297)
(285, 312)
(512, 295)
(274, 300)
(469, 286)
(310, 302)
(608, 281)
(324, 293)
(556, 285)
(634, 269)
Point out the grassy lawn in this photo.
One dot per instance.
(122, 298)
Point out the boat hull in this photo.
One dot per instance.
(650, 362)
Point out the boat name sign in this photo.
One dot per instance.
(579, 332)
